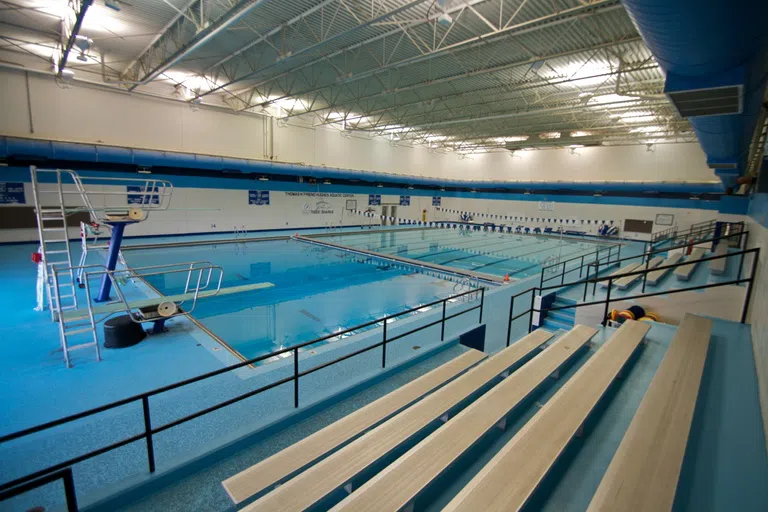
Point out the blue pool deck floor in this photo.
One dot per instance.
(727, 464)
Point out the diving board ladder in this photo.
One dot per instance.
(54, 246)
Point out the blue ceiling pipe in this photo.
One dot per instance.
(702, 45)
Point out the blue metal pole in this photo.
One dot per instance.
(114, 249)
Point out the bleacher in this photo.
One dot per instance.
(385, 455)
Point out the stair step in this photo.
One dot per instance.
(55, 229)
(78, 331)
(551, 323)
(57, 251)
(57, 241)
(558, 316)
(58, 262)
(82, 345)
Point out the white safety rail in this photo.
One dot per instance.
(59, 194)
(82, 321)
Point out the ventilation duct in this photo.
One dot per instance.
(714, 57)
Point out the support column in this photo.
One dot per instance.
(114, 250)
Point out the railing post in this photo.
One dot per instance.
(645, 276)
(482, 302)
(562, 276)
(586, 283)
(69, 490)
(509, 320)
(296, 377)
(384, 345)
(607, 301)
(541, 281)
(581, 267)
(148, 433)
(748, 297)
(597, 274)
(530, 317)
(442, 324)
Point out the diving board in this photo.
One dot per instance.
(684, 273)
(644, 472)
(507, 482)
(340, 468)
(115, 307)
(402, 481)
(629, 268)
(657, 275)
(296, 457)
(626, 282)
(718, 267)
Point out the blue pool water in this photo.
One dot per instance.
(519, 256)
(318, 291)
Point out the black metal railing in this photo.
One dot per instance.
(661, 236)
(592, 256)
(65, 475)
(537, 291)
(645, 257)
(64, 469)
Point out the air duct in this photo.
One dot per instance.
(714, 56)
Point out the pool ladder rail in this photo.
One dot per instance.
(199, 276)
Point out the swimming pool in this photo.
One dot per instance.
(500, 254)
(318, 290)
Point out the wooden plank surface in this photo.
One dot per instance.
(402, 481)
(644, 472)
(510, 478)
(719, 266)
(657, 275)
(114, 307)
(629, 268)
(335, 471)
(684, 273)
(626, 282)
(283, 464)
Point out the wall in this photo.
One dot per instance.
(758, 313)
(221, 204)
(93, 114)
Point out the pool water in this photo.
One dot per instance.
(318, 290)
(500, 254)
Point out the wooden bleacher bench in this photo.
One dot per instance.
(337, 470)
(657, 275)
(626, 282)
(399, 484)
(644, 471)
(510, 478)
(629, 268)
(718, 267)
(289, 461)
(684, 273)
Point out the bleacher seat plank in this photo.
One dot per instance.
(644, 472)
(280, 466)
(335, 471)
(657, 275)
(402, 481)
(684, 273)
(718, 266)
(626, 282)
(510, 478)
(629, 268)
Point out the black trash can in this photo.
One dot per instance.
(121, 332)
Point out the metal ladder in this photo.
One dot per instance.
(83, 324)
(54, 246)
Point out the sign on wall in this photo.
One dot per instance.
(259, 197)
(664, 219)
(142, 195)
(436, 201)
(12, 193)
(546, 206)
(405, 200)
(374, 199)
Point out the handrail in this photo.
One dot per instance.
(580, 268)
(65, 475)
(533, 290)
(150, 431)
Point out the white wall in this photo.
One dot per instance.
(92, 114)
(758, 314)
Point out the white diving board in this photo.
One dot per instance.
(340, 468)
(115, 307)
(296, 457)
(644, 472)
(718, 267)
(402, 481)
(626, 282)
(657, 275)
(507, 482)
(629, 268)
(684, 273)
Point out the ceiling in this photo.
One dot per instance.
(456, 75)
